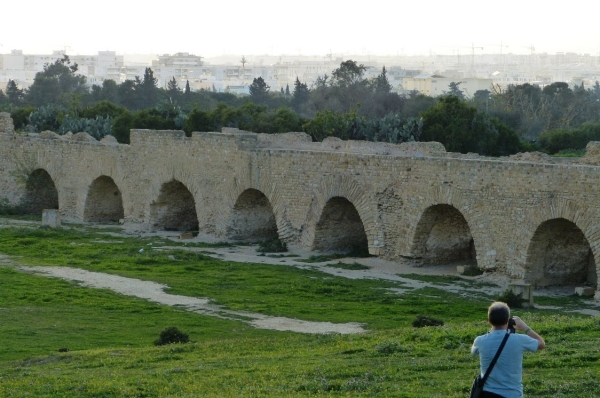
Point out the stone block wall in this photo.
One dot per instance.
(6, 123)
(496, 209)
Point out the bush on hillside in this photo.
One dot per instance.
(555, 141)
(171, 335)
(511, 299)
(423, 321)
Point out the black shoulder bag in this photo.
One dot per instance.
(479, 381)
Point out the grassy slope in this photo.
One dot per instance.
(110, 336)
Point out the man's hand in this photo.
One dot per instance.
(519, 324)
(522, 327)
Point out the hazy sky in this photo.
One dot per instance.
(308, 27)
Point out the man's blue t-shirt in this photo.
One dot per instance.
(506, 378)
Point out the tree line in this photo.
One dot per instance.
(344, 104)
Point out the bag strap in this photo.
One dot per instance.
(489, 369)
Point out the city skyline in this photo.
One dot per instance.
(316, 28)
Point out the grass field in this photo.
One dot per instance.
(110, 336)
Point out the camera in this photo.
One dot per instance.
(511, 325)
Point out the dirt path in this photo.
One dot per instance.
(154, 292)
(491, 284)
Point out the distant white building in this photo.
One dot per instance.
(436, 85)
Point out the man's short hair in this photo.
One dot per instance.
(498, 313)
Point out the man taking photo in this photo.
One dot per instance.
(506, 377)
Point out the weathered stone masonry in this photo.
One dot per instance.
(532, 217)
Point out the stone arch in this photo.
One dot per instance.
(559, 254)
(104, 202)
(442, 235)
(568, 228)
(176, 174)
(40, 192)
(340, 201)
(174, 209)
(252, 218)
(250, 185)
(340, 228)
(439, 230)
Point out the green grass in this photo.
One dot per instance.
(110, 336)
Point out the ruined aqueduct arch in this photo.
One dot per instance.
(558, 246)
(442, 235)
(174, 208)
(345, 194)
(252, 218)
(40, 192)
(104, 201)
(443, 211)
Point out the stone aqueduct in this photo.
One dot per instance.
(534, 218)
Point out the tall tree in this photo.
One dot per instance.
(461, 128)
(172, 85)
(455, 90)
(13, 93)
(347, 89)
(173, 90)
(128, 95)
(287, 89)
(110, 91)
(300, 95)
(259, 90)
(187, 87)
(146, 90)
(57, 83)
(381, 84)
(348, 74)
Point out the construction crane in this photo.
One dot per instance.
(531, 48)
(473, 48)
(473, 55)
(501, 46)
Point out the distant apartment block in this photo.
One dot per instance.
(436, 85)
(430, 75)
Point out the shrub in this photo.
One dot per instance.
(97, 128)
(121, 127)
(45, 117)
(554, 141)
(274, 245)
(511, 299)
(170, 336)
(389, 347)
(20, 117)
(423, 321)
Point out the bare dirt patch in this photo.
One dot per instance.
(154, 292)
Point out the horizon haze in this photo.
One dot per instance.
(316, 28)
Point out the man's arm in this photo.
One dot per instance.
(522, 326)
